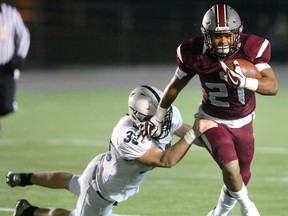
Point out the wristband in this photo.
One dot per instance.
(160, 114)
(251, 84)
(190, 136)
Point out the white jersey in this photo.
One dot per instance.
(14, 36)
(118, 175)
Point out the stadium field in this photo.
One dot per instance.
(62, 125)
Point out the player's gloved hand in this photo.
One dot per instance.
(237, 79)
(151, 128)
(234, 77)
(16, 62)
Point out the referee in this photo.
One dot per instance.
(14, 46)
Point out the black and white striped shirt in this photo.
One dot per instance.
(14, 35)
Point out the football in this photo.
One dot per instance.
(247, 67)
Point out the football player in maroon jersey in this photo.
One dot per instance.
(228, 98)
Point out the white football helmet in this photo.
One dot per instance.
(220, 19)
(143, 102)
(142, 105)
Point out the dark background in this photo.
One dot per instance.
(115, 32)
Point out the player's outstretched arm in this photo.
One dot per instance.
(183, 129)
(169, 158)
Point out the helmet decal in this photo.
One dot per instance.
(221, 16)
(153, 91)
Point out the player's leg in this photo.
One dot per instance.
(7, 94)
(24, 208)
(231, 175)
(54, 180)
(218, 142)
(225, 203)
(227, 159)
(244, 144)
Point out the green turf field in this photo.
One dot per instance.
(64, 130)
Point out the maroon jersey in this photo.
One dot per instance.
(219, 99)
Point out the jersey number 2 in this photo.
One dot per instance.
(221, 93)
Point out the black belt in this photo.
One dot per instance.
(98, 192)
(94, 178)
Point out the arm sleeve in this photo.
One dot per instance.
(22, 37)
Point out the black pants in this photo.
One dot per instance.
(7, 93)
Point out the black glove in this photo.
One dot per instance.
(16, 62)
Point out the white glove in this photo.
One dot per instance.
(16, 74)
(237, 79)
(234, 77)
(151, 128)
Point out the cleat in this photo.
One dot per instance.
(13, 179)
(18, 179)
(21, 206)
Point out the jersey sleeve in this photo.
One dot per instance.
(257, 49)
(187, 54)
(179, 59)
(23, 36)
(181, 55)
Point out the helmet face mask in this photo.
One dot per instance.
(221, 21)
(136, 116)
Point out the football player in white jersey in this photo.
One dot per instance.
(114, 176)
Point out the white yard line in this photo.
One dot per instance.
(6, 210)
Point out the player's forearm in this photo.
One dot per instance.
(170, 94)
(168, 98)
(166, 101)
(268, 84)
(174, 154)
(177, 151)
(180, 132)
